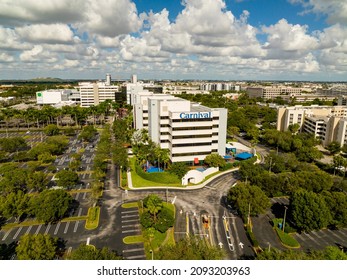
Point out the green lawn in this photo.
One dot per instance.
(133, 239)
(130, 205)
(93, 218)
(286, 239)
(139, 182)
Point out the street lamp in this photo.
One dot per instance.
(151, 251)
(284, 218)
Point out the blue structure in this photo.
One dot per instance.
(243, 156)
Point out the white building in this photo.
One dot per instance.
(327, 123)
(190, 131)
(56, 96)
(95, 93)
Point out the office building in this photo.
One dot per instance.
(189, 130)
(327, 123)
(57, 96)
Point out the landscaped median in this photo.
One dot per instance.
(93, 218)
(286, 239)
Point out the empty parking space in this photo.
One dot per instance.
(130, 225)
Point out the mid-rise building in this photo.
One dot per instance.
(271, 92)
(327, 123)
(93, 94)
(189, 130)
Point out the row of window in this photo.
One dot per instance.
(195, 154)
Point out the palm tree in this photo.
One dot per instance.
(154, 205)
(165, 157)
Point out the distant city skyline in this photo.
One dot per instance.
(177, 40)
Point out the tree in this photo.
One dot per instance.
(46, 157)
(37, 181)
(190, 248)
(37, 247)
(338, 162)
(293, 128)
(51, 130)
(215, 160)
(165, 220)
(179, 169)
(337, 204)
(154, 204)
(66, 178)
(51, 205)
(87, 252)
(13, 144)
(87, 133)
(309, 210)
(248, 199)
(15, 204)
(334, 147)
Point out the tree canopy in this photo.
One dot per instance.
(88, 252)
(37, 247)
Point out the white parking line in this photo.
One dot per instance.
(48, 227)
(76, 226)
(84, 175)
(79, 212)
(84, 195)
(18, 231)
(38, 229)
(135, 257)
(77, 196)
(57, 228)
(6, 234)
(28, 230)
(130, 230)
(130, 221)
(130, 211)
(128, 226)
(66, 227)
(129, 216)
(336, 236)
(133, 250)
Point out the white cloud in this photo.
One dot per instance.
(336, 10)
(46, 33)
(286, 40)
(9, 40)
(110, 18)
(4, 57)
(21, 12)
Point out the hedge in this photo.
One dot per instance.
(159, 177)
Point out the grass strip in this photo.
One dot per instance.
(93, 218)
(133, 239)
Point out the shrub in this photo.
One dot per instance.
(159, 177)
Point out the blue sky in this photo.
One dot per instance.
(174, 39)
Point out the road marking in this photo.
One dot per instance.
(18, 231)
(38, 229)
(77, 196)
(337, 236)
(126, 226)
(76, 226)
(79, 212)
(6, 234)
(130, 221)
(136, 257)
(130, 211)
(133, 250)
(129, 216)
(28, 230)
(66, 227)
(48, 227)
(84, 195)
(174, 199)
(130, 230)
(57, 228)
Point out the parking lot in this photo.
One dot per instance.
(73, 231)
(130, 225)
(61, 229)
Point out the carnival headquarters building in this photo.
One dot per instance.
(189, 130)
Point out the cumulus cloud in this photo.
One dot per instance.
(21, 12)
(46, 33)
(286, 40)
(336, 10)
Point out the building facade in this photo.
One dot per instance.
(190, 131)
(327, 123)
(93, 94)
(57, 96)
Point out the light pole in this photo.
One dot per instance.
(151, 251)
(284, 218)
